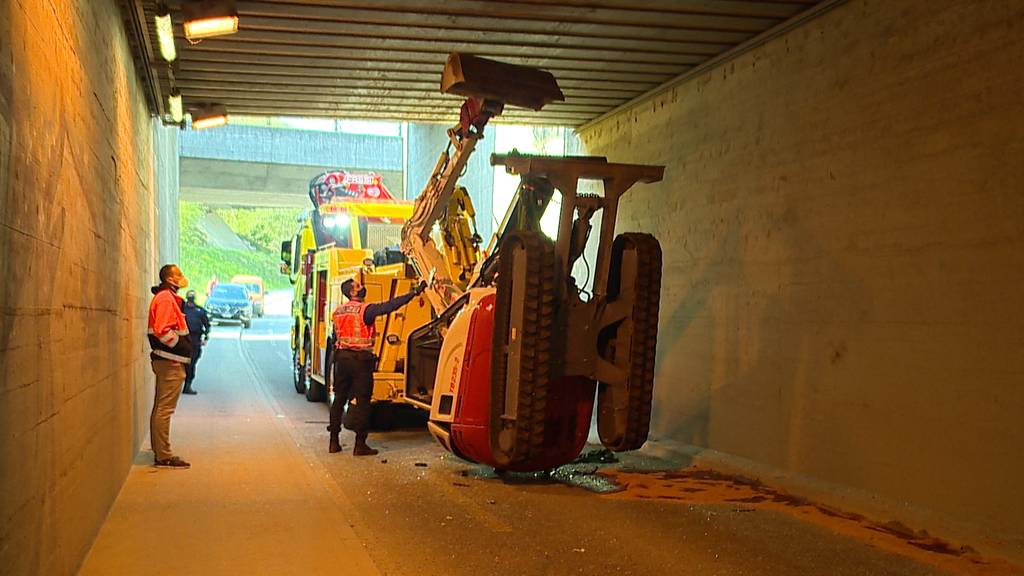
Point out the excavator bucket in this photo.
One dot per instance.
(475, 77)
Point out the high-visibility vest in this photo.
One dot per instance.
(168, 331)
(350, 330)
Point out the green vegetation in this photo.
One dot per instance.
(262, 228)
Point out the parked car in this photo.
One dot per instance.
(254, 284)
(230, 302)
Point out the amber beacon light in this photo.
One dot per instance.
(209, 116)
(208, 18)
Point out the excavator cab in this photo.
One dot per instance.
(516, 360)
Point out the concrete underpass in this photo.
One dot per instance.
(838, 387)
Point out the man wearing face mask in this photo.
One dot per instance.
(199, 332)
(354, 361)
(171, 352)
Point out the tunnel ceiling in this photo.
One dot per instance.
(383, 58)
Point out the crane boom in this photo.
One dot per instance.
(488, 85)
(431, 205)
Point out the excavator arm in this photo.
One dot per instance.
(487, 85)
(433, 204)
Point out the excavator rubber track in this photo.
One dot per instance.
(519, 437)
(643, 346)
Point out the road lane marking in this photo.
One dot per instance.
(221, 335)
(319, 470)
(441, 480)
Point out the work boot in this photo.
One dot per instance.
(173, 462)
(335, 444)
(361, 449)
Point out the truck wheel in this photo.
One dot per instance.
(523, 352)
(299, 370)
(315, 391)
(624, 413)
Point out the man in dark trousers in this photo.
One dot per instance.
(199, 332)
(354, 361)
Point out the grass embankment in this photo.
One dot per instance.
(262, 228)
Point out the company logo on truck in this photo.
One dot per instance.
(341, 184)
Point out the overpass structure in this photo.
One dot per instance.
(264, 166)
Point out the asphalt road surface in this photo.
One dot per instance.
(419, 511)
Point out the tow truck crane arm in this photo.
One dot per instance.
(460, 236)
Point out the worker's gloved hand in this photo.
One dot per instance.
(420, 288)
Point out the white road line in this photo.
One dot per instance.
(287, 426)
(441, 481)
(217, 335)
(264, 337)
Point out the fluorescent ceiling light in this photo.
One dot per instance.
(175, 107)
(165, 34)
(208, 18)
(209, 122)
(209, 116)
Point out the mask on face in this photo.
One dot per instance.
(191, 298)
(178, 282)
(362, 293)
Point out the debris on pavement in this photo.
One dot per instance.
(596, 456)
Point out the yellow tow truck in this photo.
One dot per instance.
(353, 230)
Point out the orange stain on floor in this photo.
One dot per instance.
(704, 486)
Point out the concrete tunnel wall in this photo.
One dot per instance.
(78, 252)
(842, 219)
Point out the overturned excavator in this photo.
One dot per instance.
(520, 347)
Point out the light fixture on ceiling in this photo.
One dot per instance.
(175, 107)
(207, 18)
(209, 116)
(165, 33)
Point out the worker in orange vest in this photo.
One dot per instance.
(171, 352)
(354, 361)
